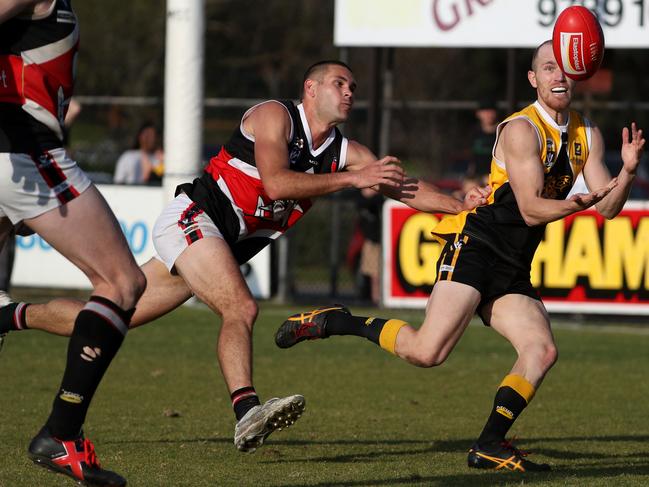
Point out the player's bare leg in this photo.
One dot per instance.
(449, 311)
(524, 322)
(211, 272)
(164, 292)
(101, 252)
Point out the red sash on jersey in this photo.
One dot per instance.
(42, 77)
(247, 193)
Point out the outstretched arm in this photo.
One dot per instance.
(518, 146)
(596, 174)
(414, 192)
(270, 125)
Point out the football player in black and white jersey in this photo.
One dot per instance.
(279, 157)
(43, 189)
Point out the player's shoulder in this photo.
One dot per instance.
(269, 108)
(270, 114)
(520, 126)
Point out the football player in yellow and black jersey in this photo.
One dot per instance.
(485, 263)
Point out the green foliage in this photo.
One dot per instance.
(370, 420)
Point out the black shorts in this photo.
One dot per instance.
(469, 261)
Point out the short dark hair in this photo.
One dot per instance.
(536, 52)
(318, 68)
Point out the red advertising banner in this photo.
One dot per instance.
(585, 263)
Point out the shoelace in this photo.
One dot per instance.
(89, 454)
(509, 445)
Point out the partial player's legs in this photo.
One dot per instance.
(164, 293)
(86, 232)
(450, 309)
(211, 272)
(524, 322)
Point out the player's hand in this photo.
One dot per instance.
(475, 197)
(586, 200)
(632, 149)
(386, 171)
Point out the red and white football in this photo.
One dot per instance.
(578, 42)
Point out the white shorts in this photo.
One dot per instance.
(179, 225)
(30, 186)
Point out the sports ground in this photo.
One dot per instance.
(162, 415)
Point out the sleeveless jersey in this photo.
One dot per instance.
(232, 194)
(37, 61)
(499, 224)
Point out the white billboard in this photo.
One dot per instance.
(479, 23)
(136, 207)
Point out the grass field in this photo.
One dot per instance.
(370, 419)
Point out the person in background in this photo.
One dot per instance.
(144, 163)
(483, 140)
(369, 205)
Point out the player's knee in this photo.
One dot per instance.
(549, 356)
(427, 358)
(542, 355)
(244, 314)
(129, 286)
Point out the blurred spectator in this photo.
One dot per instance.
(369, 205)
(483, 139)
(144, 163)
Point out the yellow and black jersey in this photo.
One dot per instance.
(563, 152)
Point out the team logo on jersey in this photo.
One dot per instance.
(557, 186)
(550, 153)
(277, 211)
(296, 149)
(577, 148)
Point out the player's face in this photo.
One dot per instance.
(553, 87)
(336, 93)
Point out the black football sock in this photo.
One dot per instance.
(98, 333)
(514, 393)
(381, 331)
(12, 317)
(243, 400)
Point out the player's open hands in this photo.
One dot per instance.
(386, 171)
(632, 149)
(586, 200)
(475, 197)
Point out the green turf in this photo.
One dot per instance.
(370, 419)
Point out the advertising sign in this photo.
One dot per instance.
(137, 208)
(585, 263)
(479, 23)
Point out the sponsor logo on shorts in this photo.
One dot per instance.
(71, 397)
(446, 268)
(505, 412)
